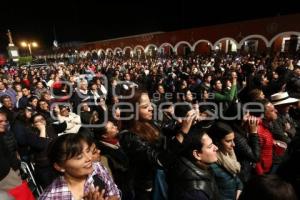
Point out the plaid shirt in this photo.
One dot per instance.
(59, 190)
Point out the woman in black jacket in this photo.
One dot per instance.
(144, 144)
(190, 177)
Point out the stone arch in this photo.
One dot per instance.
(127, 47)
(108, 50)
(200, 41)
(116, 50)
(86, 53)
(182, 42)
(165, 44)
(282, 34)
(138, 46)
(99, 51)
(81, 54)
(150, 45)
(225, 38)
(263, 38)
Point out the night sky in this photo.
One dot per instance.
(90, 21)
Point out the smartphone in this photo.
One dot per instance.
(99, 182)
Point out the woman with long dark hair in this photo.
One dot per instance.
(80, 177)
(227, 168)
(145, 145)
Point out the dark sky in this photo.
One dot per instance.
(89, 21)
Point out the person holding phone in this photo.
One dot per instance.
(80, 177)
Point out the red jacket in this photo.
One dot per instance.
(266, 149)
(26, 82)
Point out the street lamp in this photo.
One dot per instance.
(29, 45)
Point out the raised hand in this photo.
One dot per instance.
(188, 121)
(94, 194)
(253, 124)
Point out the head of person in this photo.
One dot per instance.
(256, 94)
(127, 77)
(114, 100)
(223, 136)
(297, 71)
(6, 102)
(64, 110)
(268, 187)
(85, 107)
(33, 101)
(71, 155)
(160, 89)
(263, 108)
(3, 122)
(233, 75)
(43, 105)
(93, 86)
(207, 78)
(136, 113)
(204, 94)
(17, 87)
(83, 84)
(183, 84)
(227, 83)
(39, 85)
(189, 96)
(25, 91)
(2, 85)
(37, 119)
(46, 96)
(282, 101)
(96, 156)
(141, 107)
(17, 79)
(25, 114)
(270, 113)
(200, 148)
(107, 131)
(217, 84)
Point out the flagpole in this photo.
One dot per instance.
(55, 45)
(54, 32)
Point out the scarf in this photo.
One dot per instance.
(229, 162)
(112, 141)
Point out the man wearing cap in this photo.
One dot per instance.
(283, 128)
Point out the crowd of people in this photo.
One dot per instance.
(220, 126)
